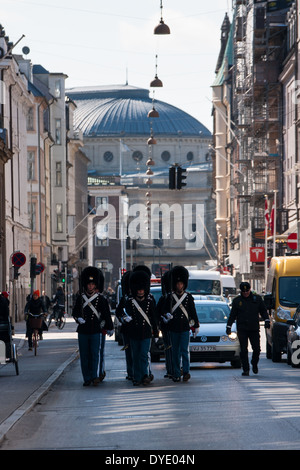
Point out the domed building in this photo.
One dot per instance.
(131, 142)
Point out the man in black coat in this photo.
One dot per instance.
(35, 306)
(246, 311)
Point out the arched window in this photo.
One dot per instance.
(137, 156)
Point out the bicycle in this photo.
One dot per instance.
(35, 324)
(57, 315)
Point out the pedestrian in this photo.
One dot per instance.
(124, 319)
(91, 312)
(46, 300)
(4, 324)
(181, 311)
(162, 321)
(246, 310)
(140, 309)
(5, 294)
(36, 306)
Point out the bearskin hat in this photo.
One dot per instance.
(142, 267)
(139, 280)
(125, 283)
(92, 274)
(166, 283)
(179, 273)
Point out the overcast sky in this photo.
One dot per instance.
(99, 42)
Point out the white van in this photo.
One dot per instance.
(205, 283)
(229, 286)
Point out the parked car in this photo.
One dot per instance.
(212, 344)
(293, 340)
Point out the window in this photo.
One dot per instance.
(101, 201)
(108, 156)
(59, 219)
(57, 89)
(32, 216)
(58, 131)
(101, 238)
(30, 165)
(165, 156)
(190, 156)
(137, 156)
(58, 174)
(29, 120)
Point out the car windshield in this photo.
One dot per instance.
(204, 286)
(289, 291)
(212, 313)
(156, 292)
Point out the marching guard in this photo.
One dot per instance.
(180, 309)
(140, 308)
(124, 319)
(92, 313)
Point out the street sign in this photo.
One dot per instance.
(292, 241)
(39, 268)
(18, 259)
(257, 254)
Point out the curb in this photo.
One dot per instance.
(7, 424)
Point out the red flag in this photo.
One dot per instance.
(272, 218)
(266, 212)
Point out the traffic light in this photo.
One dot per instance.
(32, 267)
(172, 177)
(181, 176)
(63, 278)
(16, 272)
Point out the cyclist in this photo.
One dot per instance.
(59, 303)
(36, 306)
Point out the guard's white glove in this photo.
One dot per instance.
(169, 316)
(155, 340)
(196, 332)
(110, 332)
(127, 318)
(81, 320)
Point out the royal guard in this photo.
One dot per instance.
(140, 308)
(92, 313)
(163, 317)
(180, 309)
(124, 319)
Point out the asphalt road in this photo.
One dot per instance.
(217, 409)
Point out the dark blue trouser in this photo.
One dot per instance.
(140, 357)
(89, 355)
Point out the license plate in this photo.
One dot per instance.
(202, 348)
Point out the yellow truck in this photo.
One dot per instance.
(281, 299)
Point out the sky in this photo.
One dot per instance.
(99, 42)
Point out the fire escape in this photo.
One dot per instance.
(259, 52)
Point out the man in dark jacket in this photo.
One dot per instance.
(4, 324)
(246, 311)
(91, 312)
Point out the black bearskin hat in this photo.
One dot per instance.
(92, 274)
(125, 283)
(139, 280)
(179, 273)
(142, 267)
(166, 283)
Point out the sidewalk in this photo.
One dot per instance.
(19, 393)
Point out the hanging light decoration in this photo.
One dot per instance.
(156, 83)
(161, 28)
